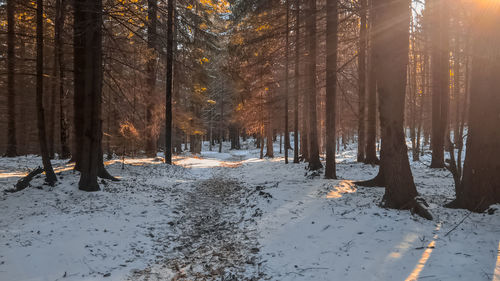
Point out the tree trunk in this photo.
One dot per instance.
(296, 88)
(42, 137)
(11, 92)
(371, 117)
(59, 54)
(169, 81)
(440, 80)
(480, 186)
(362, 82)
(314, 162)
(88, 46)
(391, 57)
(287, 134)
(151, 144)
(331, 86)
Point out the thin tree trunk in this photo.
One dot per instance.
(42, 138)
(362, 82)
(169, 81)
(11, 91)
(287, 134)
(331, 86)
(296, 80)
(151, 145)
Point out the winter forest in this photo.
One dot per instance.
(250, 140)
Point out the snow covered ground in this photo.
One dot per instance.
(231, 216)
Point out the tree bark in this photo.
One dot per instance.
(314, 162)
(11, 92)
(362, 82)
(296, 88)
(391, 57)
(331, 86)
(287, 134)
(371, 117)
(440, 80)
(42, 137)
(169, 81)
(151, 145)
(480, 186)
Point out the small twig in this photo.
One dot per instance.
(458, 224)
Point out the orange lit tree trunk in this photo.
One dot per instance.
(391, 48)
(362, 82)
(480, 186)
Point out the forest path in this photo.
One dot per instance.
(214, 232)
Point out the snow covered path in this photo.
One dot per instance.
(231, 216)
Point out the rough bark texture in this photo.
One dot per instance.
(331, 86)
(391, 57)
(169, 81)
(314, 162)
(11, 94)
(480, 185)
(42, 136)
(362, 82)
(440, 79)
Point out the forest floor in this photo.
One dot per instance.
(231, 216)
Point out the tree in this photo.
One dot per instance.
(391, 48)
(169, 76)
(151, 65)
(11, 92)
(331, 86)
(287, 86)
(88, 76)
(440, 79)
(362, 81)
(314, 162)
(296, 84)
(42, 136)
(480, 185)
(371, 116)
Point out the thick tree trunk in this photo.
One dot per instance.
(296, 87)
(151, 138)
(11, 94)
(440, 80)
(42, 137)
(88, 21)
(480, 185)
(362, 82)
(314, 162)
(391, 57)
(169, 81)
(331, 86)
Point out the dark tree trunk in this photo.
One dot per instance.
(59, 57)
(480, 186)
(269, 126)
(391, 57)
(314, 162)
(11, 94)
(88, 46)
(221, 125)
(169, 82)
(371, 117)
(362, 82)
(331, 86)
(287, 134)
(42, 137)
(296, 81)
(440, 80)
(151, 144)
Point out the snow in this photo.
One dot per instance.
(233, 216)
